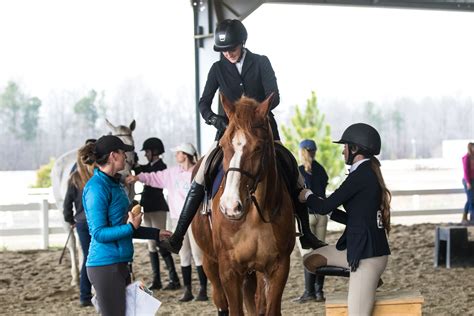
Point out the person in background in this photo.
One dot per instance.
(363, 246)
(316, 179)
(111, 226)
(73, 200)
(155, 211)
(468, 182)
(177, 181)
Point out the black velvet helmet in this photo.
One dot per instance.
(364, 136)
(229, 34)
(154, 144)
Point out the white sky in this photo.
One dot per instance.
(361, 53)
(341, 52)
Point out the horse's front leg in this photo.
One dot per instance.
(276, 284)
(232, 281)
(211, 268)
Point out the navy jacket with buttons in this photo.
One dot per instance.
(360, 194)
(152, 198)
(257, 81)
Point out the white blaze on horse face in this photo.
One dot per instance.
(230, 203)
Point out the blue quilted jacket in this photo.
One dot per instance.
(106, 203)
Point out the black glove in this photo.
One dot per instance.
(218, 121)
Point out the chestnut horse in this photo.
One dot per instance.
(249, 235)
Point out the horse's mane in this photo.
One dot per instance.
(244, 118)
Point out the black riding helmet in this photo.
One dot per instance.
(229, 34)
(363, 136)
(155, 145)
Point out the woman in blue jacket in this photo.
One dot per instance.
(363, 246)
(106, 204)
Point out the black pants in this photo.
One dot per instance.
(110, 282)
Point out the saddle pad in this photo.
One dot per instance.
(217, 180)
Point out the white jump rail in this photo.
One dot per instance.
(44, 206)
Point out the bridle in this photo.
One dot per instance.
(256, 178)
(127, 161)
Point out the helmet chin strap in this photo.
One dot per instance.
(357, 151)
(241, 53)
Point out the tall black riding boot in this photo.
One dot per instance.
(173, 276)
(202, 296)
(309, 294)
(155, 267)
(190, 207)
(307, 239)
(318, 285)
(187, 295)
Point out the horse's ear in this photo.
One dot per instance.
(229, 107)
(133, 125)
(264, 107)
(109, 124)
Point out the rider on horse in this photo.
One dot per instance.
(240, 73)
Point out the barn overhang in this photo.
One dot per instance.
(207, 13)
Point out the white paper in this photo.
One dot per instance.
(138, 302)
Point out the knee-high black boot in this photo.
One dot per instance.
(202, 296)
(307, 239)
(173, 276)
(155, 267)
(309, 294)
(318, 285)
(190, 207)
(188, 294)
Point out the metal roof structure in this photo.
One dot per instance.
(207, 13)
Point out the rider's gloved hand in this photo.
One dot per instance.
(218, 121)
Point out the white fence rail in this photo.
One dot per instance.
(44, 207)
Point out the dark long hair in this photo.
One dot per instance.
(470, 150)
(386, 195)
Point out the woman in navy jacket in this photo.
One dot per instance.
(73, 201)
(106, 204)
(363, 246)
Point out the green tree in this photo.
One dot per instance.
(87, 110)
(43, 175)
(19, 112)
(309, 124)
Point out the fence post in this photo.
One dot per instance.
(44, 224)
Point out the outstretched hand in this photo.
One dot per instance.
(302, 195)
(131, 179)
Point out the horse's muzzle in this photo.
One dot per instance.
(232, 211)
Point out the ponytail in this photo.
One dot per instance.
(88, 156)
(386, 195)
(307, 158)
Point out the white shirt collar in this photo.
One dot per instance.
(240, 63)
(357, 164)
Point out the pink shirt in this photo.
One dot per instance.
(176, 180)
(468, 168)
